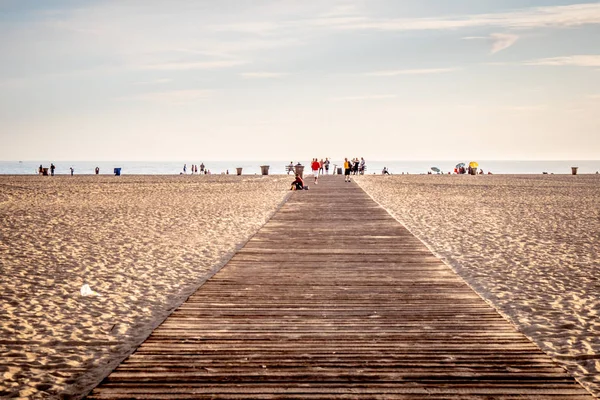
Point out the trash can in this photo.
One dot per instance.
(264, 169)
(239, 171)
(117, 171)
(339, 171)
(299, 170)
(574, 170)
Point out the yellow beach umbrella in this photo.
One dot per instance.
(473, 164)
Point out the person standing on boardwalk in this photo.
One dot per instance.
(315, 169)
(327, 166)
(347, 169)
(321, 164)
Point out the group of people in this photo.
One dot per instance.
(44, 171)
(194, 169)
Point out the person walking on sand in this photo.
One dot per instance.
(185, 168)
(72, 170)
(347, 169)
(52, 168)
(97, 170)
(315, 169)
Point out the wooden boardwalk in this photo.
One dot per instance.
(333, 298)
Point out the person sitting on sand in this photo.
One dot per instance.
(385, 171)
(298, 183)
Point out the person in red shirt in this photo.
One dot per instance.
(298, 183)
(315, 169)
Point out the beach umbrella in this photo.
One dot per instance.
(460, 165)
(435, 169)
(473, 164)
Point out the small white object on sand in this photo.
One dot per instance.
(86, 290)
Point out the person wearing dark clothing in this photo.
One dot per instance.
(298, 183)
(52, 168)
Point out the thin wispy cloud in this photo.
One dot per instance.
(154, 82)
(364, 97)
(170, 96)
(502, 41)
(537, 17)
(189, 65)
(532, 108)
(263, 75)
(576, 61)
(499, 41)
(422, 71)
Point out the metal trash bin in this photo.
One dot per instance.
(264, 169)
(339, 171)
(574, 170)
(299, 170)
(239, 171)
(117, 171)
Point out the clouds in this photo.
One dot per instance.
(263, 75)
(170, 96)
(498, 41)
(364, 97)
(529, 18)
(502, 41)
(590, 60)
(423, 71)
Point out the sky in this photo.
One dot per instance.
(189, 80)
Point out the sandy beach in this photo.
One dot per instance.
(528, 244)
(142, 243)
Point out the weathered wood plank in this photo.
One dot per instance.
(333, 298)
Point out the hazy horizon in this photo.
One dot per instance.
(267, 80)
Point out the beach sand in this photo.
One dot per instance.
(529, 245)
(143, 243)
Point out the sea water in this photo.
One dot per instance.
(278, 167)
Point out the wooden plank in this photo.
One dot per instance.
(333, 298)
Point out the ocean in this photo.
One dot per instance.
(278, 167)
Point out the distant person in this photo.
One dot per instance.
(201, 167)
(41, 170)
(185, 168)
(361, 167)
(326, 163)
(315, 169)
(321, 166)
(227, 173)
(355, 166)
(298, 183)
(72, 170)
(52, 168)
(290, 167)
(385, 171)
(97, 170)
(347, 169)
